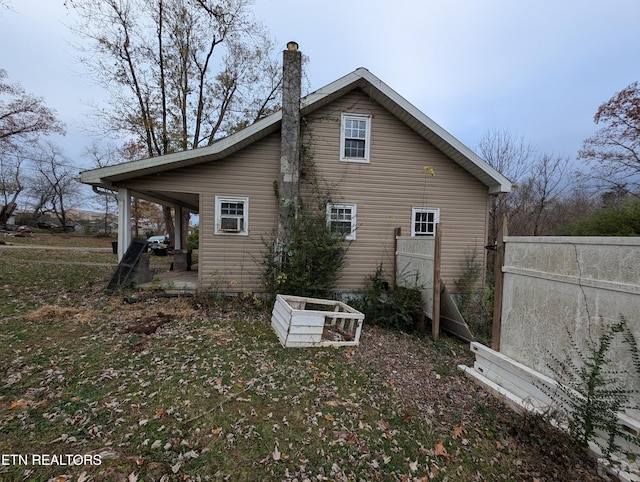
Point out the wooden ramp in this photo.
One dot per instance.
(127, 264)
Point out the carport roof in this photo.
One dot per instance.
(111, 176)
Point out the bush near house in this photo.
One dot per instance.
(310, 264)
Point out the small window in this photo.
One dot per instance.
(355, 137)
(232, 215)
(424, 221)
(342, 220)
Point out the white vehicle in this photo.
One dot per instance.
(158, 244)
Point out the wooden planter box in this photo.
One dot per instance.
(302, 322)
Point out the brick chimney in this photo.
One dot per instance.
(289, 139)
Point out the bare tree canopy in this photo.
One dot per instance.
(54, 184)
(540, 182)
(23, 117)
(614, 150)
(181, 73)
(24, 120)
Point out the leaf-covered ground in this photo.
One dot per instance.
(168, 390)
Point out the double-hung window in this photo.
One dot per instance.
(342, 220)
(355, 138)
(232, 215)
(424, 221)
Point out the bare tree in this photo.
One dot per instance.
(539, 180)
(10, 186)
(541, 190)
(102, 156)
(59, 187)
(181, 73)
(614, 150)
(24, 119)
(512, 156)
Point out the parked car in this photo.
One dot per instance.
(158, 245)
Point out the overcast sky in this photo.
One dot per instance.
(539, 68)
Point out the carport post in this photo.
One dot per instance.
(124, 221)
(177, 222)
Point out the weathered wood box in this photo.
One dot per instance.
(303, 322)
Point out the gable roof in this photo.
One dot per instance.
(360, 78)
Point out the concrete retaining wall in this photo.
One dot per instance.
(559, 285)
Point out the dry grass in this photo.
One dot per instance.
(59, 313)
(63, 240)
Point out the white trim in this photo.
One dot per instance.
(243, 221)
(367, 139)
(423, 209)
(352, 235)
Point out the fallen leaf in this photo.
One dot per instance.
(328, 417)
(413, 466)
(276, 454)
(459, 431)
(383, 425)
(18, 404)
(83, 477)
(406, 418)
(441, 450)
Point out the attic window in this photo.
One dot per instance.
(355, 137)
(232, 215)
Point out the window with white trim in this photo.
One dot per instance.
(232, 215)
(342, 220)
(424, 221)
(355, 137)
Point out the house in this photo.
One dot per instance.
(365, 140)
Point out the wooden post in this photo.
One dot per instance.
(499, 280)
(397, 232)
(435, 322)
